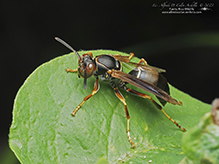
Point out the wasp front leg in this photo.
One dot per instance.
(96, 88)
(71, 70)
(121, 98)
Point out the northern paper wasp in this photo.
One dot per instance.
(109, 68)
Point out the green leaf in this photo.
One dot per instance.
(43, 130)
(201, 143)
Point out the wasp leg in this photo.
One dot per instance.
(71, 70)
(96, 88)
(142, 61)
(154, 102)
(131, 55)
(121, 98)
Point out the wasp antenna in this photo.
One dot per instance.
(68, 46)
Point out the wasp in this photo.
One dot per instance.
(108, 67)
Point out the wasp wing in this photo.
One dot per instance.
(144, 85)
(126, 60)
(162, 84)
(160, 70)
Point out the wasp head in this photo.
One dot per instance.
(86, 64)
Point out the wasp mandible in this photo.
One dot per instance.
(108, 67)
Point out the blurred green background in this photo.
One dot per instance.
(186, 45)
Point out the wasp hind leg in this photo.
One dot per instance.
(122, 99)
(154, 102)
(142, 61)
